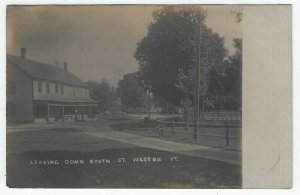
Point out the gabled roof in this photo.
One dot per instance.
(43, 71)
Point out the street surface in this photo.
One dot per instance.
(91, 154)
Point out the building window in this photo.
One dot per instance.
(62, 89)
(10, 109)
(40, 88)
(56, 88)
(11, 87)
(47, 88)
(74, 92)
(81, 92)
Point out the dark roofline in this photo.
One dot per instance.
(37, 78)
(16, 66)
(54, 81)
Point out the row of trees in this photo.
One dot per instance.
(126, 96)
(105, 95)
(131, 93)
(167, 58)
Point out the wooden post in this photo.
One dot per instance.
(34, 111)
(167, 108)
(227, 133)
(48, 119)
(159, 127)
(63, 113)
(97, 111)
(90, 111)
(81, 112)
(187, 125)
(158, 122)
(197, 79)
(203, 109)
(173, 125)
(149, 105)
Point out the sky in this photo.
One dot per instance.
(97, 41)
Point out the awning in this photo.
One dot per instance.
(66, 99)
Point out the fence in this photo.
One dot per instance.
(227, 131)
(221, 115)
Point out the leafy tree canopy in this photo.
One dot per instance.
(103, 94)
(225, 86)
(167, 55)
(132, 95)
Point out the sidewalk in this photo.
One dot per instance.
(232, 157)
(195, 150)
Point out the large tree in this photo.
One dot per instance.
(132, 95)
(103, 93)
(225, 83)
(168, 54)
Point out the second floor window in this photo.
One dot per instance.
(47, 88)
(56, 88)
(40, 88)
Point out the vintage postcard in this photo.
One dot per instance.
(136, 96)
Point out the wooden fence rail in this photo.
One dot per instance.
(169, 124)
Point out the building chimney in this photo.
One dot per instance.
(23, 53)
(66, 65)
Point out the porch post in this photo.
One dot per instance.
(76, 111)
(81, 112)
(34, 112)
(48, 119)
(97, 111)
(90, 111)
(63, 113)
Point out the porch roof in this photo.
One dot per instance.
(66, 99)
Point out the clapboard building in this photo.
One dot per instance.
(38, 92)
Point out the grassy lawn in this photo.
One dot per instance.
(187, 172)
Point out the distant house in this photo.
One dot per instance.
(38, 92)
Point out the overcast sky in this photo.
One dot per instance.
(96, 41)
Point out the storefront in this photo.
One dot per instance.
(49, 111)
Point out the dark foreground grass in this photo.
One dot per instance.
(187, 172)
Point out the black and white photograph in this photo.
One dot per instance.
(124, 96)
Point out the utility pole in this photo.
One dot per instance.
(203, 105)
(149, 105)
(167, 108)
(197, 81)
